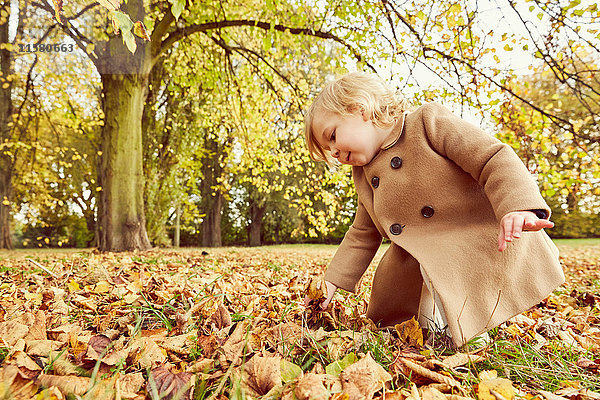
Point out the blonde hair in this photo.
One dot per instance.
(352, 93)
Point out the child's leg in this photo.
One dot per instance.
(396, 288)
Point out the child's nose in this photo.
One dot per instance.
(335, 153)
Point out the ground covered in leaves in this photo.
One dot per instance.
(231, 323)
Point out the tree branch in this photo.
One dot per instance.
(189, 30)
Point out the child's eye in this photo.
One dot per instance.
(332, 137)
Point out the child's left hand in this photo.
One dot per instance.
(513, 223)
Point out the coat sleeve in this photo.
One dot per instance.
(506, 181)
(353, 256)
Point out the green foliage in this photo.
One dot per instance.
(575, 224)
(65, 231)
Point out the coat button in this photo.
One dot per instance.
(396, 162)
(427, 211)
(375, 181)
(396, 229)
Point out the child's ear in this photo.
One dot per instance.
(366, 116)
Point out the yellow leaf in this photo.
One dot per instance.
(490, 384)
(73, 286)
(35, 298)
(410, 332)
(102, 287)
(131, 298)
(514, 330)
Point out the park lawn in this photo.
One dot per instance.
(230, 323)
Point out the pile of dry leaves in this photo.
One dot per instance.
(232, 323)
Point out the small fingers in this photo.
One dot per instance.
(501, 241)
(518, 223)
(537, 224)
(507, 224)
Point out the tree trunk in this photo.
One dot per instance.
(212, 201)
(254, 229)
(121, 210)
(176, 239)
(211, 226)
(124, 75)
(6, 163)
(5, 196)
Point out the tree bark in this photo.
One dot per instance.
(255, 228)
(212, 198)
(121, 217)
(6, 163)
(176, 239)
(211, 226)
(121, 210)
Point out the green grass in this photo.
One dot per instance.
(545, 368)
(3, 353)
(573, 243)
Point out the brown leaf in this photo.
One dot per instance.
(221, 317)
(208, 344)
(234, 347)
(315, 291)
(396, 395)
(310, 387)
(62, 366)
(66, 384)
(42, 347)
(98, 343)
(459, 359)
(140, 30)
(363, 378)
(424, 372)
(11, 331)
(169, 385)
(130, 384)
(430, 393)
(21, 359)
(261, 374)
(593, 365)
(550, 395)
(21, 387)
(147, 353)
(38, 329)
(410, 332)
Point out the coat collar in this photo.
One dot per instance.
(396, 132)
(395, 135)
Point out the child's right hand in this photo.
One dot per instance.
(331, 288)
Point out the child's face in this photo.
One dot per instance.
(352, 139)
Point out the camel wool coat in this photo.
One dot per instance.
(438, 192)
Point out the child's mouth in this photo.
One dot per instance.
(348, 158)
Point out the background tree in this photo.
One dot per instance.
(5, 127)
(125, 70)
(568, 166)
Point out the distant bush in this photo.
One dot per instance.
(71, 231)
(575, 224)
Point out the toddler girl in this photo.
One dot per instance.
(463, 214)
